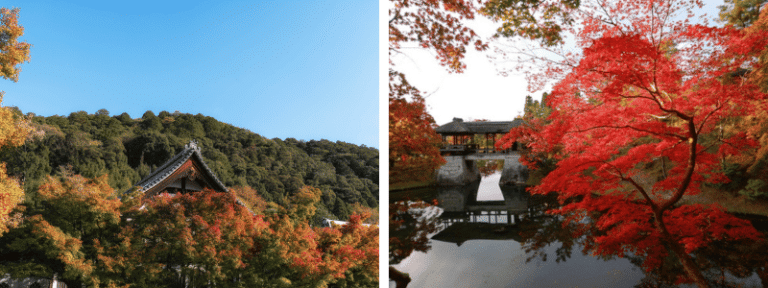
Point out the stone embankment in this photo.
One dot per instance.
(461, 169)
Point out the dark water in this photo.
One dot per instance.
(483, 235)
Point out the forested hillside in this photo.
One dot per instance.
(127, 149)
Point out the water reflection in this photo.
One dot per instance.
(489, 189)
(465, 242)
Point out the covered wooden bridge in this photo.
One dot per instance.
(462, 138)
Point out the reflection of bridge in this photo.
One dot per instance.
(460, 205)
(464, 145)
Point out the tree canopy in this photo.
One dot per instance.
(644, 91)
(13, 129)
(126, 150)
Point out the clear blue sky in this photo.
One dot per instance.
(301, 69)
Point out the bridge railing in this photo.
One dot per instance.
(464, 149)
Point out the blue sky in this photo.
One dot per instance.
(301, 69)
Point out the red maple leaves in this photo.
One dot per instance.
(636, 127)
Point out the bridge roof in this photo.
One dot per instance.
(458, 126)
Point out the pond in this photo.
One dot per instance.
(484, 235)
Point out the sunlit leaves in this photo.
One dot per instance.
(13, 52)
(13, 132)
(436, 25)
(10, 195)
(532, 19)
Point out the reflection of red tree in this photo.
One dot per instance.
(490, 167)
(410, 224)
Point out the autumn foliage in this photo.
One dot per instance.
(436, 26)
(414, 151)
(85, 235)
(60, 236)
(13, 130)
(13, 51)
(646, 95)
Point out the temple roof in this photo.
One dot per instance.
(458, 126)
(191, 152)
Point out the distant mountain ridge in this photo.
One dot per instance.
(128, 149)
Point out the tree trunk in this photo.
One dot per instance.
(689, 266)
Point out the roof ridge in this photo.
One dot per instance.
(165, 165)
(205, 165)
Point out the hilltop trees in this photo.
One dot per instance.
(647, 91)
(124, 149)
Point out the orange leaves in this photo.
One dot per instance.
(204, 233)
(13, 132)
(10, 195)
(13, 52)
(81, 205)
(56, 244)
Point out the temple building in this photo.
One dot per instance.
(184, 172)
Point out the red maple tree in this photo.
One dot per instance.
(644, 95)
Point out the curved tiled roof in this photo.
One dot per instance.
(161, 173)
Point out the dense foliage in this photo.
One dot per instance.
(13, 129)
(641, 89)
(127, 149)
(84, 235)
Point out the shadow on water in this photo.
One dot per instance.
(453, 240)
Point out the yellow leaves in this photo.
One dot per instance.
(303, 203)
(10, 196)
(13, 131)
(12, 52)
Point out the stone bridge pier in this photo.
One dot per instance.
(461, 169)
(457, 171)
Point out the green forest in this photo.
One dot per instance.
(127, 149)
